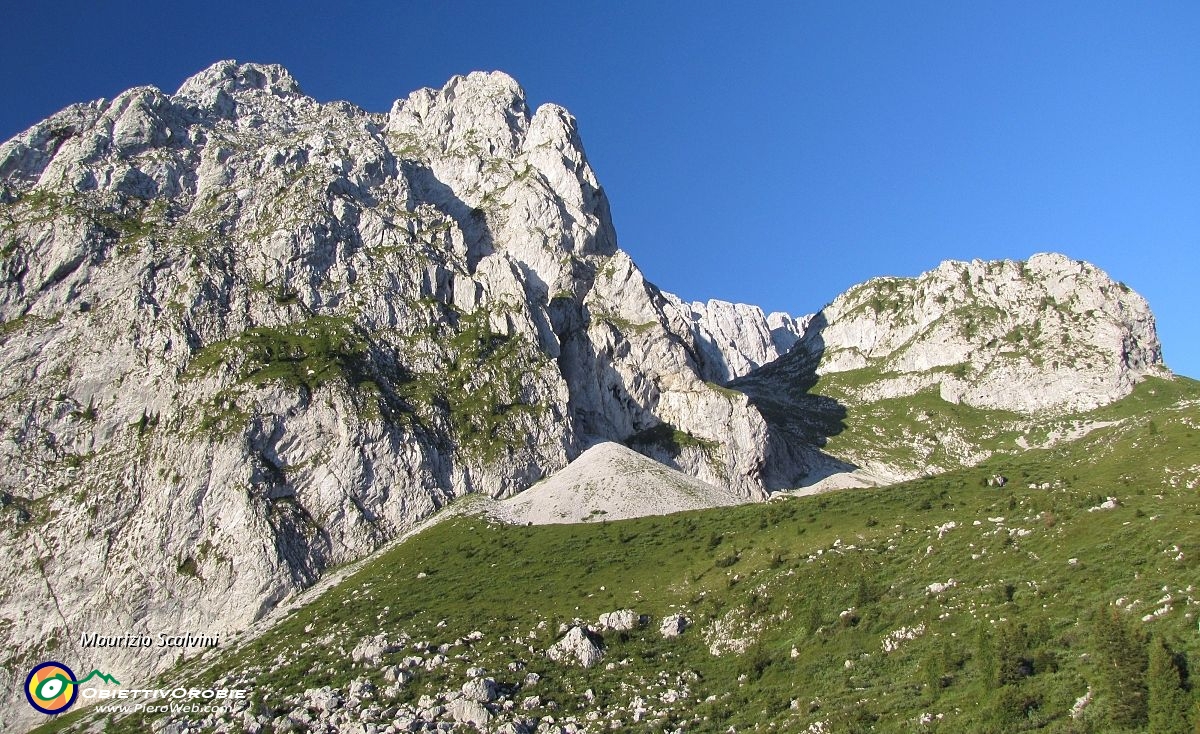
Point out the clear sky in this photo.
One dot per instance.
(770, 153)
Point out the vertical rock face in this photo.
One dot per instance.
(247, 336)
(734, 338)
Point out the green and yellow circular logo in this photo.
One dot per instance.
(51, 688)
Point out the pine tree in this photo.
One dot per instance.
(1012, 662)
(1121, 664)
(985, 654)
(1168, 701)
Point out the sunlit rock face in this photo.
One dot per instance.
(1049, 334)
(248, 336)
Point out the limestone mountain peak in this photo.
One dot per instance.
(232, 77)
(1048, 333)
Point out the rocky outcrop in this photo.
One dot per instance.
(576, 648)
(673, 626)
(946, 369)
(622, 620)
(1048, 334)
(734, 339)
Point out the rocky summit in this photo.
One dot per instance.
(247, 336)
(1048, 334)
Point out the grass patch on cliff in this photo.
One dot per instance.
(470, 392)
(922, 433)
(478, 392)
(726, 392)
(26, 321)
(126, 221)
(670, 439)
(624, 325)
(309, 353)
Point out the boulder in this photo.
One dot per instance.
(480, 689)
(576, 648)
(673, 626)
(621, 620)
(371, 649)
(466, 711)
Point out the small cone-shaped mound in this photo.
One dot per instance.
(612, 482)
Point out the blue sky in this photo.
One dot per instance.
(771, 153)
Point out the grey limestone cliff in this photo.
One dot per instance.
(247, 336)
(948, 368)
(735, 338)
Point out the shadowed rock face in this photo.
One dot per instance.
(247, 336)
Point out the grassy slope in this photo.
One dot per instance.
(923, 434)
(789, 568)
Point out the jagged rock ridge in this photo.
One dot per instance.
(736, 339)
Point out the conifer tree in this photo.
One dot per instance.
(1120, 654)
(1168, 701)
(1012, 659)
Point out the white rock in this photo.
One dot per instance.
(361, 688)
(576, 648)
(735, 338)
(371, 649)
(938, 587)
(1111, 342)
(322, 699)
(894, 639)
(673, 626)
(467, 711)
(621, 620)
(480, 689)
(1081, 703)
